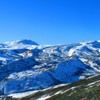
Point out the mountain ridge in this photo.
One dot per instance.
(30, 66)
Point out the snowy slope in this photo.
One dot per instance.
(25, 65)
(79, 90)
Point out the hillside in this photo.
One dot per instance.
(27, 66)
(86, 89)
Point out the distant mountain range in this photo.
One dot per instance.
(27, 66)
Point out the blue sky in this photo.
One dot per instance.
(50, 21)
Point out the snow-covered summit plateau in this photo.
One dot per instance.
(26, 66)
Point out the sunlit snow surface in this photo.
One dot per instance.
(27, 66)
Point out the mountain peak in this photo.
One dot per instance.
(26, 42)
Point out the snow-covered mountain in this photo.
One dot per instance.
(26, 66)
